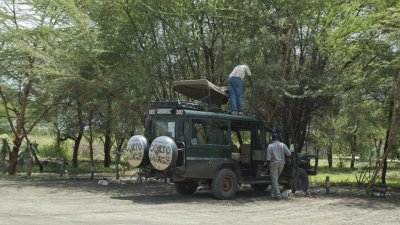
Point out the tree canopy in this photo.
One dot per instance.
(329, 69)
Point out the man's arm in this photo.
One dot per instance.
(247, 70)
(251, 81)
(288, 154)
(268, 157)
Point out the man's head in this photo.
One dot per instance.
(198, 126)
(275, 136)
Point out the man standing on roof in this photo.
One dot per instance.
(235, 88)
(277, 152)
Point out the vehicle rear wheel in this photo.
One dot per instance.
(300, 181)
(224, 184)
(259, 187)
(186, 188)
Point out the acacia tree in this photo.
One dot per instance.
(390, 25)
(325, 133)
(122, 78)
(27, 64)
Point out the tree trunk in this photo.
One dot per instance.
(386, 148)
(107, 150)
(378, 144)
(107, 136)
(353, 151)
(391, 133)
(118, 151)
(77, 140)
(329, 155)
(353, 159)
(317, 156)
(91, 145)
(77, 143)
(12, 165)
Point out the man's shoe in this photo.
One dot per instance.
(234, 113)
(240, 113)
(264, 173)
(276, 198)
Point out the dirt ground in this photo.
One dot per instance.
(83, 201)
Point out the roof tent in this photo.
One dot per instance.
(202, 90)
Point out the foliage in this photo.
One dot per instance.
(5, 149)
(325, 71)
(4, 152)
(29, 152)
(51, 151)
(347, 175)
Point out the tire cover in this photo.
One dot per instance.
(136, 151)
(163, 153)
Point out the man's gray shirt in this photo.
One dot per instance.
(277, 151)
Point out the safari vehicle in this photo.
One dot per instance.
(193, 146)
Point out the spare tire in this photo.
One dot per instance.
(163, 153)
(137, 151)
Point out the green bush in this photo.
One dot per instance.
(341, 164)
(51, 151)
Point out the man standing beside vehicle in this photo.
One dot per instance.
(235, 87)
(277, 153)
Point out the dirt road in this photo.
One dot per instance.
(49, 201)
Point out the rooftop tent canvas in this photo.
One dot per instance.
(202, 90)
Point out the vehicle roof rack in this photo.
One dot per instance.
(177, 105)
(184, 105)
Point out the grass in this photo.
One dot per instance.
(345, 175)
(48, 154)
(47, 148)
(338, 174)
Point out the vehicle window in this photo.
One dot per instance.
(164, 128)
(213, 132)
(242, 132)
(268, 137)
(259, 137)
(235, 141)
(246, 136)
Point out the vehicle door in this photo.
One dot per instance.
(207, 146)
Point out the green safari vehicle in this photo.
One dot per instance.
(195, 146)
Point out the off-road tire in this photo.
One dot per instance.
(259, 187)
(224, 185)
(300, 181)
(137, 151)
(186, 188)
(163, 153)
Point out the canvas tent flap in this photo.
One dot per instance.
(202, 90)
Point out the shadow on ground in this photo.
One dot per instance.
(163, 193)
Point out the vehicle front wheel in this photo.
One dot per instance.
(300, 181)
(186, 188)
(224, 184)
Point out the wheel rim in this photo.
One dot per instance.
(226, 184)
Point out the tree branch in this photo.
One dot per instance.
(38, 119)
(5, 103)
